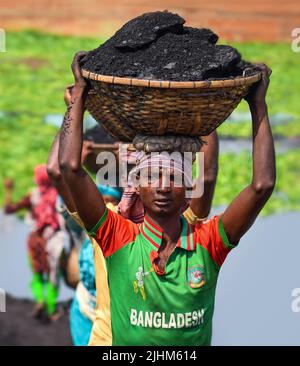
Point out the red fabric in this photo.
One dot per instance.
(207, 235)
(44, 212)
(131, 206)
(153, 257)
(37, 253)
(115, 233)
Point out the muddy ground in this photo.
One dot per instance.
(18, 328)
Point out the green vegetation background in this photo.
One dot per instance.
(36, 68)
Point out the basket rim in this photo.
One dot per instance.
(165, 84)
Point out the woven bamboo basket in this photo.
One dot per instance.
(127, 107)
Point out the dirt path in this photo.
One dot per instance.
(268, 20)
(18, 328)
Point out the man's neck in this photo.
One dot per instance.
(171, 228)
(169, 224)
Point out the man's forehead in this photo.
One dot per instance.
(161, 169)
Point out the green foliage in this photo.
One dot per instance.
(235, 173)
(36, 69)
(283, 90)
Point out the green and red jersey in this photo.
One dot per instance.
(152, 308)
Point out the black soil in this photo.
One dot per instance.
(19, 328)
(158, 46)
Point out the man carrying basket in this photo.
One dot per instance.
(163, 273)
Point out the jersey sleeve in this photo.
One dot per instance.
(212, 236)
(113, 231)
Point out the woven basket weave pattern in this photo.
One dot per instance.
(126, 110)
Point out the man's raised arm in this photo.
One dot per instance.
(242, 212)
(56, 176)
(86, 197)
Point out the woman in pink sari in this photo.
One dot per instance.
(45, 241)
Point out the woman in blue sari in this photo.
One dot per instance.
(82, 313)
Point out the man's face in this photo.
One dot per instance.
(160, 191)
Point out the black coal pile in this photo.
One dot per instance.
(157, 46)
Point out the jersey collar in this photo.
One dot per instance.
(153, 234)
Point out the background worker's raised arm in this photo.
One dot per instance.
(86, 197)
(11, 207)
(244, 209)
(201, 205)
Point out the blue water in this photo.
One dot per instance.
(253, 298)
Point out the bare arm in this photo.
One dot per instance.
(8, 190)
(11, 207)
(24, 203)
(201, 206)
(53, 166)
(86, 197)
(242, 212)
(56, 176)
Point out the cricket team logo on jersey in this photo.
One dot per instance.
(196, 276)
(138, 284)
